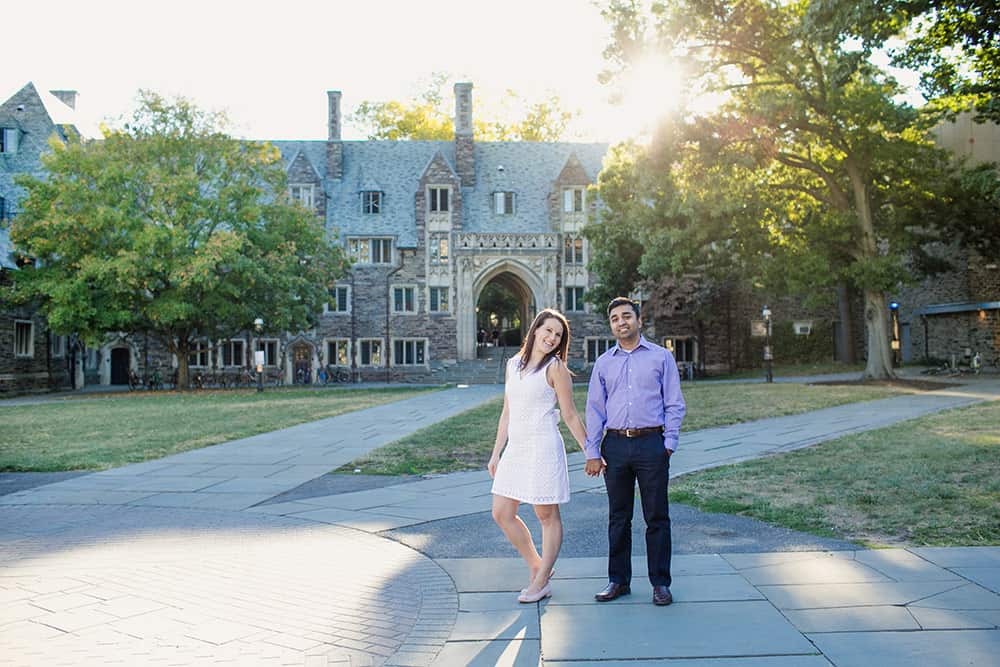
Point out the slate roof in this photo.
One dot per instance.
(396, 167)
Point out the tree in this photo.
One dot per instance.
(954, 44)
(427, 117)
(170, 228)
(672, 239)
(813, 127)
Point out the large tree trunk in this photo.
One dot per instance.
(180, 350)
(846, 350)
(879, 366)
(183, 373)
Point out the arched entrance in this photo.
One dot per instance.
(121, 362)
(504, 308)
(302, 353)
(530, 279)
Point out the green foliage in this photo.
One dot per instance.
(953, 44)
(792, 348)
(172, 228)
(810, 172)
(497, 301)
(615, 248)
(426, 116)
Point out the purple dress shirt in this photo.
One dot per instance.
(636, 389)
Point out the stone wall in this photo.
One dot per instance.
(973, 279)
(41, 371)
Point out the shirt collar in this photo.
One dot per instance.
(642, 343)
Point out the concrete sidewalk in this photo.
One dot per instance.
(176, 562)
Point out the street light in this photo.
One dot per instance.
(766, 312)
(258, 326)
(894, 312)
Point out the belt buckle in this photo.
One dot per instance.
(631, 432)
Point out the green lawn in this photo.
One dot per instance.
(116, 429)
(929, 481)
(793, 370)
(464, 442)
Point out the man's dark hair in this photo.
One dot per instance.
(624, 301)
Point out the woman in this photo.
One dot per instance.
(533, 467)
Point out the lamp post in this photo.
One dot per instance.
(894, 313)
(258, 326)
(766, 312)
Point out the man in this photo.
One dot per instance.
(634, 413)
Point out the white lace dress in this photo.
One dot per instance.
(532, 467)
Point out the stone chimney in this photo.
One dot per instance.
(464, 160)
(334, 146)
(67, 97)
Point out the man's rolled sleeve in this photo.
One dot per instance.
(673, 403)
(597, 413)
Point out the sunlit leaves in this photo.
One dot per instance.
(428, 116)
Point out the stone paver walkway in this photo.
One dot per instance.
(175, 562)
(891, 608)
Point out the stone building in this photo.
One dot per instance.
(430, 225)
(31, 358)
(956, 314)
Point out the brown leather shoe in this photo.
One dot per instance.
(662, 596)
(612, 591)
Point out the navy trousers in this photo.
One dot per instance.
(643, 460)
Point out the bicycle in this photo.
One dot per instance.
(155, 381)
(135, 382)
(337, 374)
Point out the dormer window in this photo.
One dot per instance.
(437, 200)
(8, 140)
(371, 202)
(573, 200)
(503, 203)
(302, 193)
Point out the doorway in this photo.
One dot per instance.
(503, 313)
(302, 364)
(121, 362)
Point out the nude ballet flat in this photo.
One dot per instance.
(552, 573)
(544, 592)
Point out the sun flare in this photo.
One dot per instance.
(650, 90)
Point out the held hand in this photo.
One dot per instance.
(594, 467)
(492, 466)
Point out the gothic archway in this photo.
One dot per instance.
(504, 308)
(531, 279)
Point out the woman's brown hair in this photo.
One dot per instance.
(562, 351)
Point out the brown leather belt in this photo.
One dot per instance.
(635, 432)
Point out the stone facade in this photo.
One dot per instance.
(953, 314)
(431, 224)
(40, 362)
(28, 119)
(957, 313)
(437, 210)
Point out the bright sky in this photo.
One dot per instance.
(269, 64)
